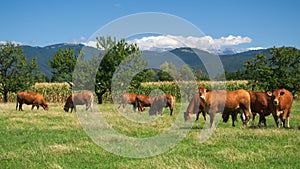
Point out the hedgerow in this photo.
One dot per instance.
(58, 92)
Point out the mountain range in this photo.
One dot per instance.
(231, 62)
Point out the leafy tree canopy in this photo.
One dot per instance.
(16, 73)
(63, 63)
(120, 61)
(281, 70)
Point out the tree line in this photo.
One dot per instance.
(280, 70)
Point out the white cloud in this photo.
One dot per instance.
(205, 43)
(255, 48)
(90, 43)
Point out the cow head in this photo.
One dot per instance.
(202, 92)
(66, 108)
(187, 116)
(46, 107)
(277, 94)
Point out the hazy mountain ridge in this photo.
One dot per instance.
(231, 62)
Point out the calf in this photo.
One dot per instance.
(80, 98)
(283, 101)
(159, 102)
(31, 98)
(218, 101)
(196, 106)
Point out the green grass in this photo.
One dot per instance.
(55, 139)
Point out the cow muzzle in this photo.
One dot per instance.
(276, 102)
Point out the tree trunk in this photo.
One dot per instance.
(5, 93)
(99, 96)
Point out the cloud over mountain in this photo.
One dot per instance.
(206, 43)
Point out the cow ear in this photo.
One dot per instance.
(281, 93)
(269, 93)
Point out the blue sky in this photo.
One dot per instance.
(266, 23)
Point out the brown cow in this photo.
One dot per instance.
(31, 98)
(261, 103)
(283, 101)
(129, 98)
(221, 100)
(159, 102)
(80, 98)
(196, 106)
(142, 101)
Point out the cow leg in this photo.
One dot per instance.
(285, 115)
(75, 108)
(171, 109)
(288, 121)
(20, 107)
(233, 119)
(260, 120)
(212, 117)
(253, 118)
(204, 115)
(32, 107)
(275, 118)
(197, 116)
(264, 120)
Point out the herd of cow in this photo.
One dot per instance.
(243, 102)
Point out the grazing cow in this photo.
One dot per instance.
(129, 98)
(283, 101)
(261, 103)
(142, 101)
(80, 98)
(236, 100)
(196, 106)
(159, 102)
(31, 98)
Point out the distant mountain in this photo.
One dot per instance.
(179, 56)
(44, 54)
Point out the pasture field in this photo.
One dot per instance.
(55, 139)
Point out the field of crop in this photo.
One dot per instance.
(55, 139)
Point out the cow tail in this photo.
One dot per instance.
(17, 103)
(92, 101)
(137, 104)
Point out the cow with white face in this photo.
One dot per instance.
(283, 101)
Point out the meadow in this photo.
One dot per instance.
(55, 139)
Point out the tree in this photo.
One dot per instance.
(116, 53)
(186, 73)
(16, 73)
(281, 70)
(63, 63)
(167, 72)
